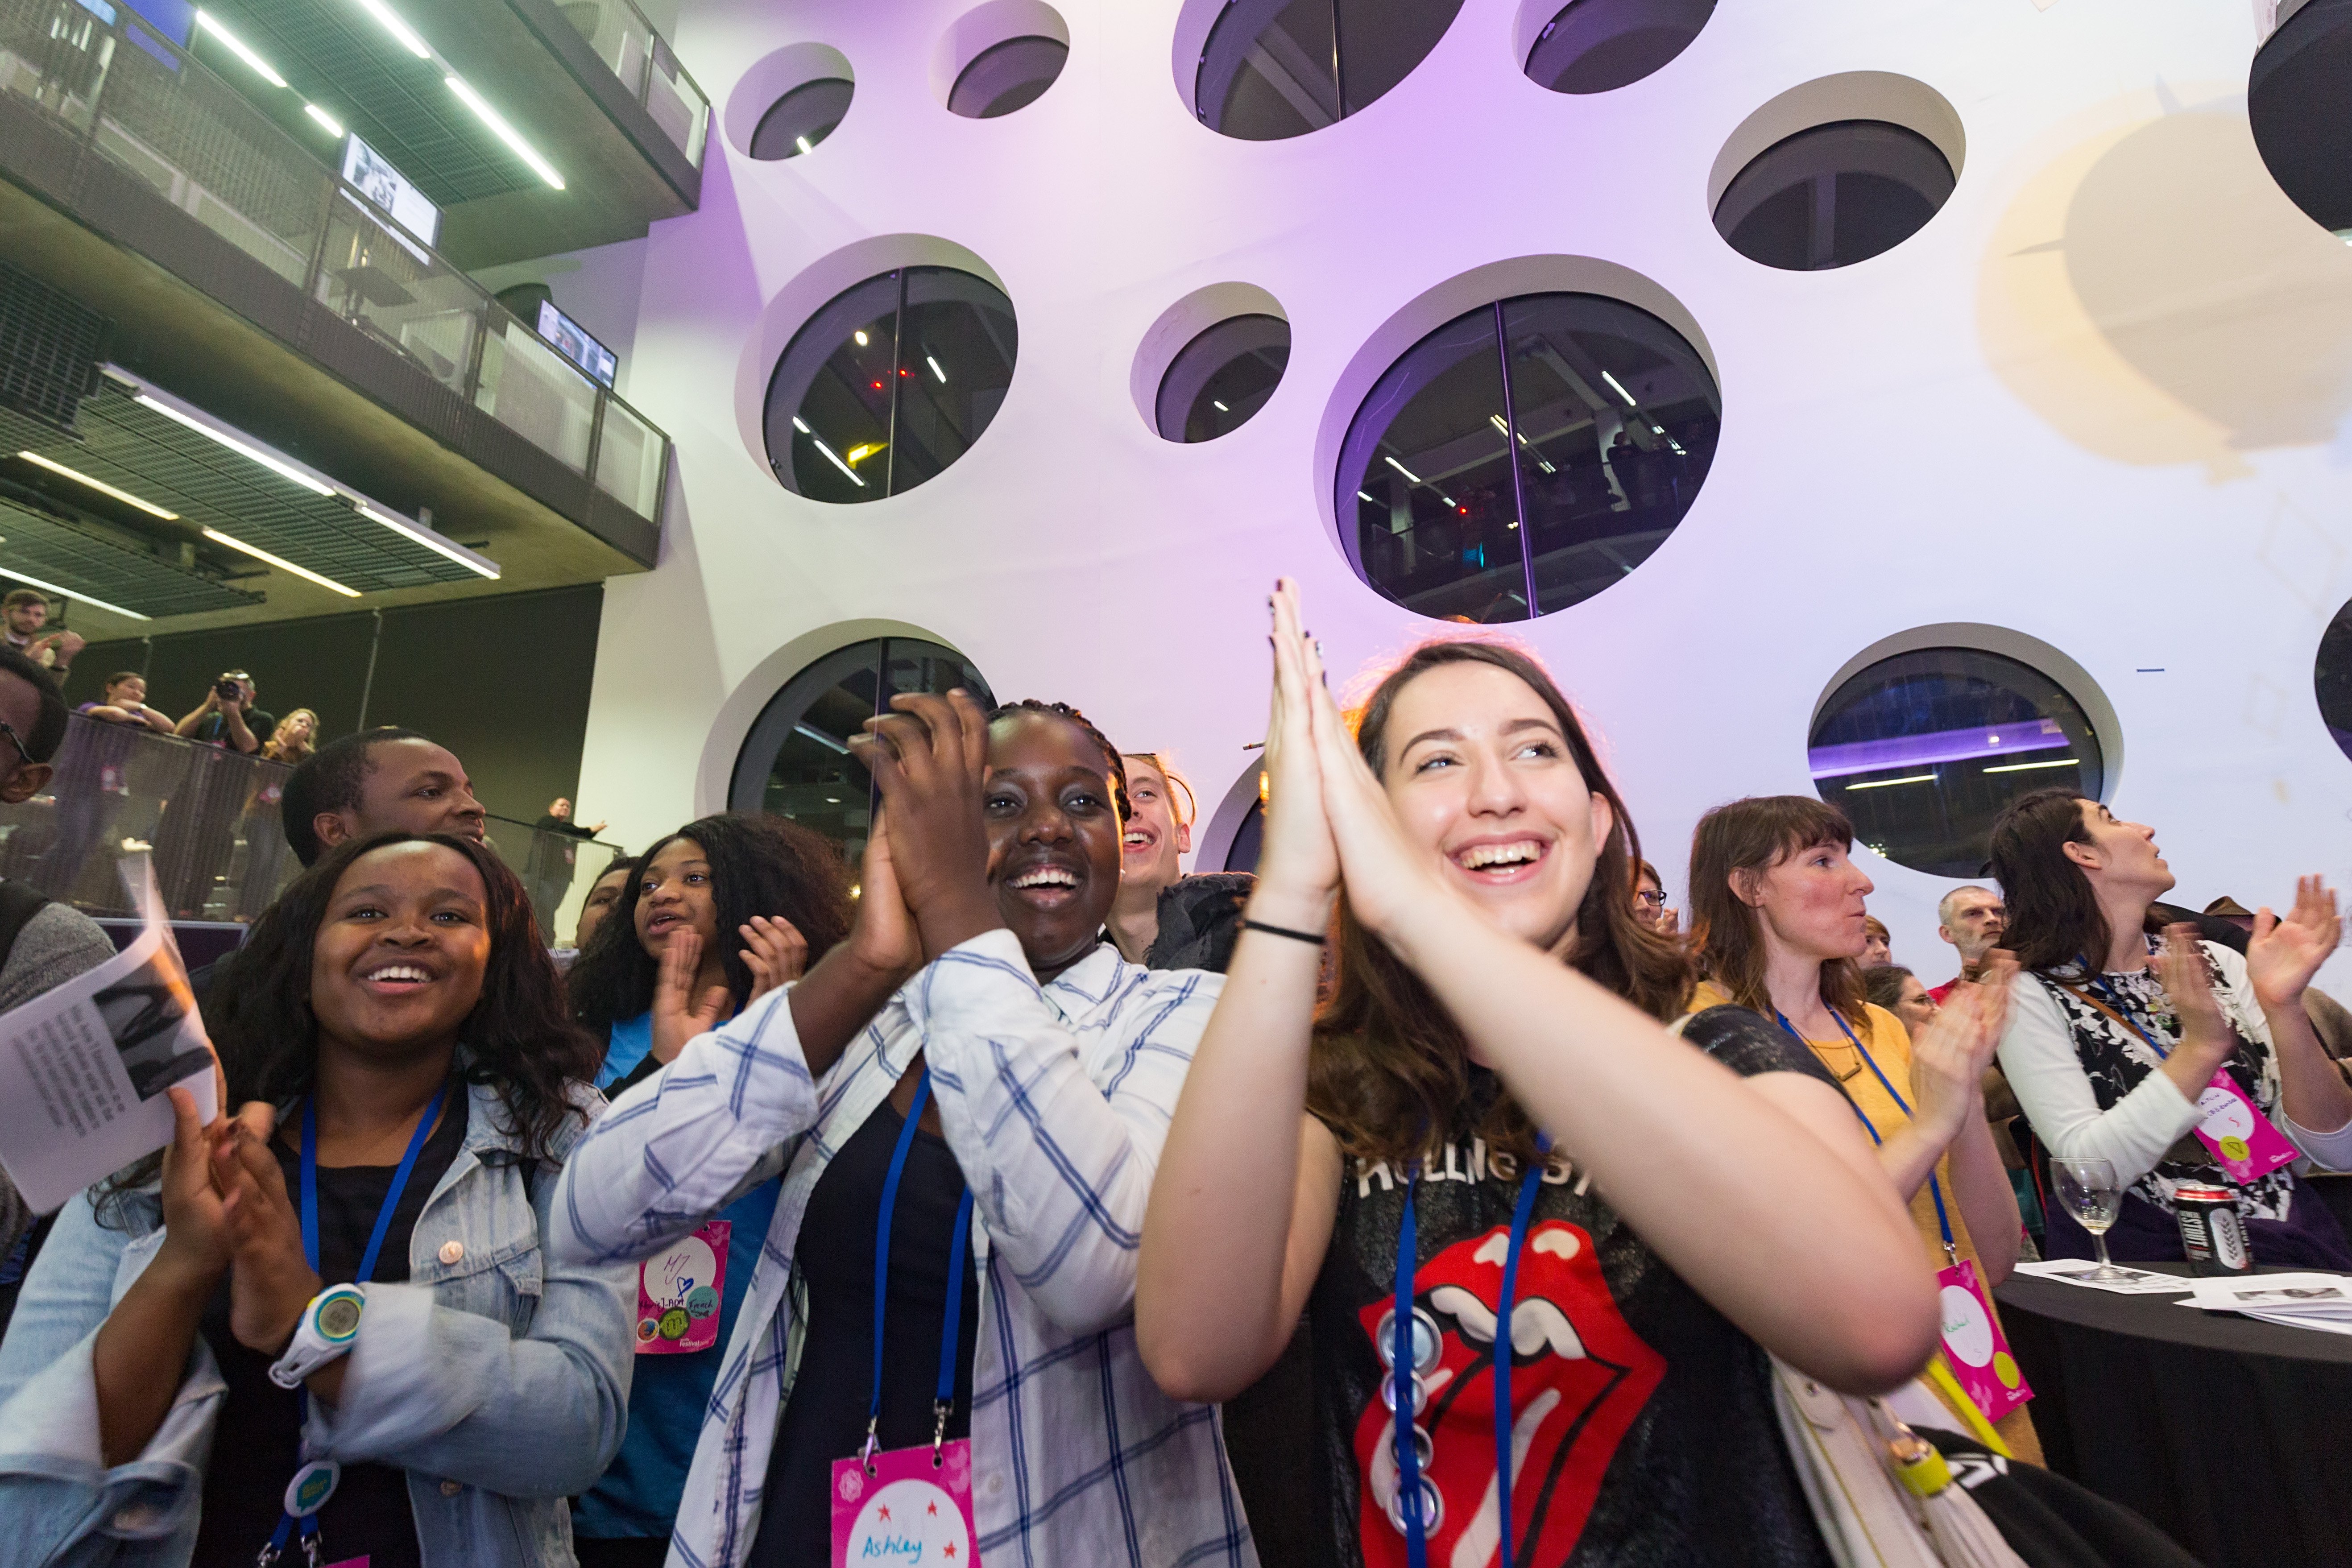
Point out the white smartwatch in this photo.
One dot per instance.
(330, 1324)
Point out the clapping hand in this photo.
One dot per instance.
(678, 1015)
(2284, 955)
(1949, 1057)
(2181, 969)
(272, 1281)
(929, 757)
(774, 951)
(1299, 864)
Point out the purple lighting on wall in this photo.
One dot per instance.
(1936, 746)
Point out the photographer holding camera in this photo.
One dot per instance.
(228, 717)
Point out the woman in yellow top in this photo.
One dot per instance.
(1777, 923)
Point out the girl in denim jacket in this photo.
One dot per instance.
(188, 1371)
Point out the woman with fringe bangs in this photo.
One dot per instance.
(1779, 925)
(1495, 1058)
(407, 1085)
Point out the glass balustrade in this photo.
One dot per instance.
(642, 60)
(211, 820)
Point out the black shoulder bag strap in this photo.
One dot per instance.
(19, 904)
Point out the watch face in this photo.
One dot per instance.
(339, 1316)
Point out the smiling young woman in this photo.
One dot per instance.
(1493, 1059)
(972, 1054)
(407, 1081)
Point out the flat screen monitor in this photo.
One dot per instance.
(370, 173)
(573, 342)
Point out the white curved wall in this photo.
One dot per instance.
(2100, 400)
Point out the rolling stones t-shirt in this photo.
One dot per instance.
(1644, 1433)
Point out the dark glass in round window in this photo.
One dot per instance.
(1614, 417)
(2295, 94)
(1600, 45)
(2332, 676)
(1276, 68)
(888, 384)
(1221, 377)
(1925, 748)
(1249, 840)
(1833, 195)
(1008, 75)
(804, 117)
(796, 761)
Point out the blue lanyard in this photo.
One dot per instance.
(1401, 1368)
(950, 1332)
(2114, 999)
(366, 1270)
(1934, 1188)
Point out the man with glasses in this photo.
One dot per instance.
(42, 943)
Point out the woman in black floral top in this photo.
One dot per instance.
(2115, 1041)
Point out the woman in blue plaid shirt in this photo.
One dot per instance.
(976, 968)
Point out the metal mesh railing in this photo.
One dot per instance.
(212, 819)
(146, 106)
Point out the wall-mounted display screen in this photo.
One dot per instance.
(369, 172)
(573, 342)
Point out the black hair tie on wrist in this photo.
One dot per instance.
(1283, 930)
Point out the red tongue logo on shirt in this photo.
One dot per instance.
(1579, 1378)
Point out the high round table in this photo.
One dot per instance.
(2231, 1436)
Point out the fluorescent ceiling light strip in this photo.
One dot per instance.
(100, 485)
(838, 463)
(1401, 468)
(334, 126)
(217, 537)
(821, 738)
(1619, 386)
(2029, 767)
(803, 144)
(391, 23)
(17, 572)
(243, 448)
(1885, 783)
(1366, 495)
(240, 49)
(505, 132)
(417, 533)
(936, 370)
(800, 425)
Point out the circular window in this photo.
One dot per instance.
(1221, 377)
(1276, 69)
(2332, 676)
(1008, 75)
(1599, 46)
(796, 761)
(2302, 77)
(1833, 194)
(1591, 421)
(888, 384)
(801, 118)
(1923, 749)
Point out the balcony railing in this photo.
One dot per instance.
(645, 66)
(211, 817)
(126, 93)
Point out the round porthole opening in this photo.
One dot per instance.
(1217, 380)
(801, 118)
(888, 384)
(1833, 194)
(1923, 749)
(2332, 675)
(1271, 69)
(1600, 45)
(1008, 75)
(2295, 93)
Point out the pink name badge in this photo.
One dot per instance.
(678, 1291)
(2241, 1137)
(908, 1510)
(1974, 1346)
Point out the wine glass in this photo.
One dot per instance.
(2094, 1197)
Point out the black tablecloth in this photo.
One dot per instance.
(2234, 1436)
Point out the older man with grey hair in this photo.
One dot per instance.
(1972, 920)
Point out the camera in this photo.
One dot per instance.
(228, 690)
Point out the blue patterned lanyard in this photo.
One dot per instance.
(1403, 1367)
(1934, 1188)
(2122, 1009)
(951, 1333)
(366, 1270)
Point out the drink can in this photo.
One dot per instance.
(2211, 1231)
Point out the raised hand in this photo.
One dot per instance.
(882, 939)
(2206, 1036)
(2284, 955)
(774, 951)
(270, 1281)
(1949, 1056)
(1299, 864)
(678, 1014)
(196, 1242)
(929, 757)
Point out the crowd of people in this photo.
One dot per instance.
(1436, 1194)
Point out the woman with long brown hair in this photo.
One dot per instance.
(1420, 1169)
(1778, 923)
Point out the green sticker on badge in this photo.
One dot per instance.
(2004, 1367)
(674, 1323)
